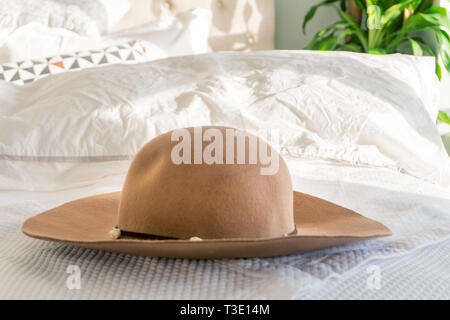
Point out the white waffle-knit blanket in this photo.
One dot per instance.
(413, 263)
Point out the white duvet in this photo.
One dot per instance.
(355, 129)
(358, 109)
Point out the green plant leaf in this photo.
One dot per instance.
(438, 70)
(353, 24)
(394, 12)
(377, 51)
(386, 3)
(314, 44)
(361, 5)
(322, 43)
(432, 53)
(328, 42)
(416, 48)
(331, 42)
(353, 47)
(432, 17)
(443, 117)
(394, 34)
(312, 11)
(424, 5)
(443, 43)
(418, 3)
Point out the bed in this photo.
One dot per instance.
(354, 129)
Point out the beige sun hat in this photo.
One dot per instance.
(202, 210)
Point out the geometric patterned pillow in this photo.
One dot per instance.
(31, 70)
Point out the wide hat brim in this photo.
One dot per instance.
(86, 223)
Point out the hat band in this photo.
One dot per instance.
(145, 236)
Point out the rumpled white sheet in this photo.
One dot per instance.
(413, 263)
(340, 107)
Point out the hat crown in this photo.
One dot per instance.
(211, 201)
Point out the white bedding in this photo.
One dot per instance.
(357, 130)
(181, 34)
(413, 263)
(364, 110)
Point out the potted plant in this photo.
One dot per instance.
(384, 27)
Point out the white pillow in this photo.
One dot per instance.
(27, 71)
(85, 17)
(185, 33)
(344, 108)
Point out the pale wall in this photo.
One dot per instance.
(289, 18)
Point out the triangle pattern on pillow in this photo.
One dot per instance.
(27, 71)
